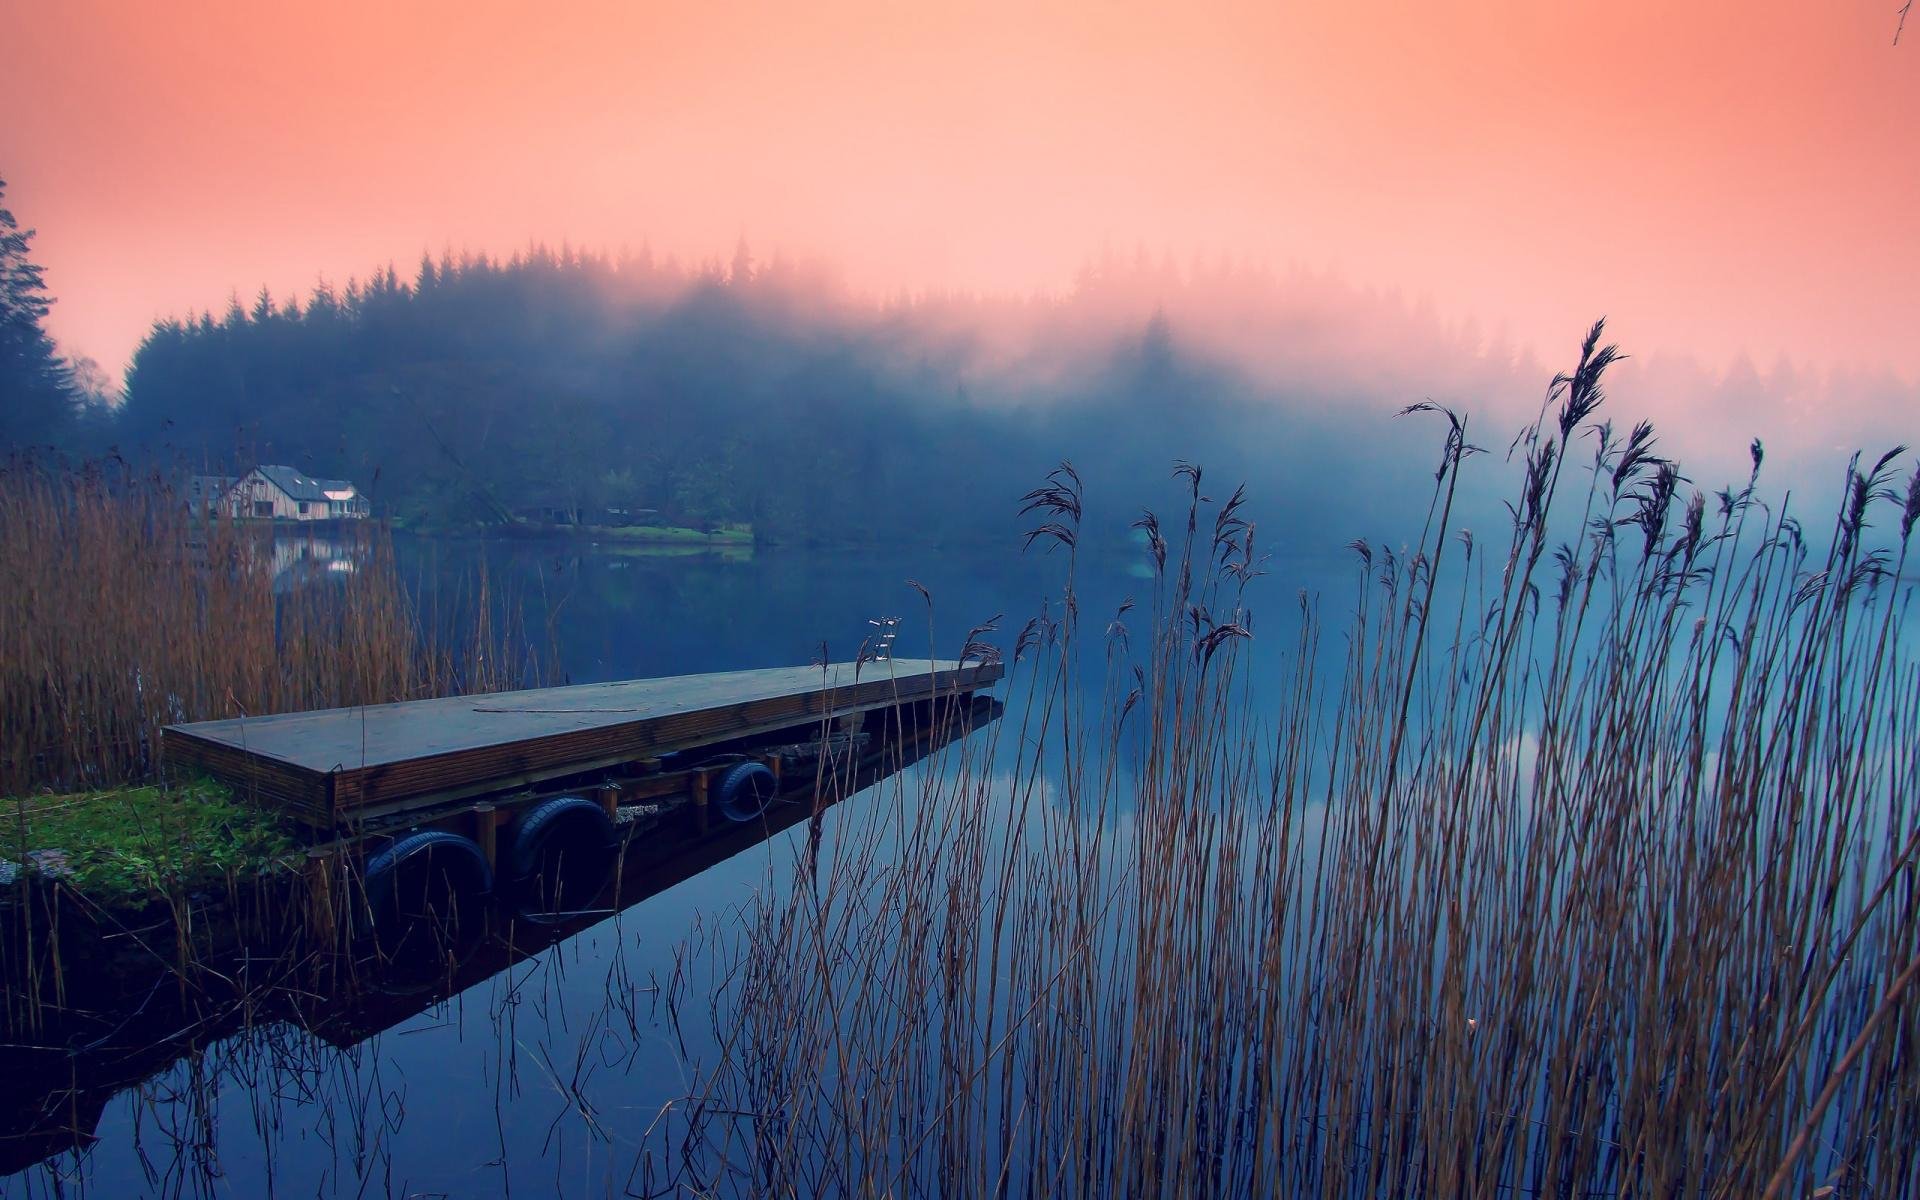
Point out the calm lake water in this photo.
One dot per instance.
(547, 1077)
(628, 612)
(565, 1072)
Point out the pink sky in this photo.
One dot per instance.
(1717, 176)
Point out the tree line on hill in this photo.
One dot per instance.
(476, 389)
(481, 389)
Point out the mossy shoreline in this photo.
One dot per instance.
(124, 847)
(114, 896)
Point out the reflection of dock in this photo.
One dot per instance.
(649, 867)
(62, 1080)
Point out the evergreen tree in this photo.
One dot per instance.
(36, 385)
(742, 271)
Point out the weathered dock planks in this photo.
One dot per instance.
(339, 767)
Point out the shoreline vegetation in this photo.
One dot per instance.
(1593, 869)
(638, 535)
(126, 847)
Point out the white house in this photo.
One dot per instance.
(284, 494)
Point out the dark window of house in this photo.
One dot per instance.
(263, 508)
(303, 508)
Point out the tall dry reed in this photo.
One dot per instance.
(1590, 870)
(123, 612)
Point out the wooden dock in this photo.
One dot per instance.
(342, 768)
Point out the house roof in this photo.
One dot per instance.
(298, 486)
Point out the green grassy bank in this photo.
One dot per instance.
(127, 845)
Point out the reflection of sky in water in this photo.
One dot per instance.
(619, 616)
(548, 1077)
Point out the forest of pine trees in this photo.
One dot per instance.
(478, 388)
(557, 379)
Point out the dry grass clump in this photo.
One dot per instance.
(1592, 870)
(122, 613)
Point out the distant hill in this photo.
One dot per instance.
(746, 395)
